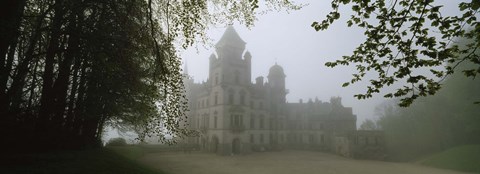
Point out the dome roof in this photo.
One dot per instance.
(276, 70)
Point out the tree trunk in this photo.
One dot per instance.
(14, 93)
(62, 82)
(11, 12)
(47, 98)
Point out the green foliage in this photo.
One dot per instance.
(132, 152)
(116, 142)
(462, 158)
(404, 37)
(183, 23)
(368, 124)
(435, 123)
(70, 68)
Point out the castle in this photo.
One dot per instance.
(236, 116)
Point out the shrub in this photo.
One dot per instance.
(116, 142)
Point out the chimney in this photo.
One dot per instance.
(259, 81)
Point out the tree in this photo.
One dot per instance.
(434, 123)
(403, 38)
(70, 67)
(368, 124)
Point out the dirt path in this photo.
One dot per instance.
(286, 162)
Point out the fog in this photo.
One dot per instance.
(286, 38)
(91, 87)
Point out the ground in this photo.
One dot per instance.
(92, 161)
(285, 162)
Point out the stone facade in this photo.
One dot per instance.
(367, 144)
(236, 116)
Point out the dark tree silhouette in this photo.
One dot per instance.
(68, 68)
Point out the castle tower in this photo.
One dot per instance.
(277, 93)
(227, 68)
(234, 116)
(230, 46)
(229, 92)
(276, 80)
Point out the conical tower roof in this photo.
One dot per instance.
(185, 68)
(230, 38)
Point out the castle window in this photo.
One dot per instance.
(271, 124)
(237, 120)
(230, 98)
(215, 122)
(208, 122)
(242, 97)
(205, 120)
(261, 122)
(252, 122)
(237, 77)
(216, 98)
(241, 120)
(198, 123)
(216, 78)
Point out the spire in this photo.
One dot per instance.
(231, 38)
(212, 56)
(185, 68)
(247, 55)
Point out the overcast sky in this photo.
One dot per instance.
(288, 39)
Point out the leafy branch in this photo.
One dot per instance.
(403, 37)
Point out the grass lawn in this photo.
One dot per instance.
(462, 158)
(105, 161)
(130, 152)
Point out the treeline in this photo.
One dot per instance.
(450, 118)
(70, 67)
(67, 67)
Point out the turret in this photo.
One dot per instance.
(259, 81)
(230, 46)
(276, 80)
(336, 101)
(248, 60)
(276, 77)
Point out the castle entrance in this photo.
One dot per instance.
(236, 146)
(214, 144)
